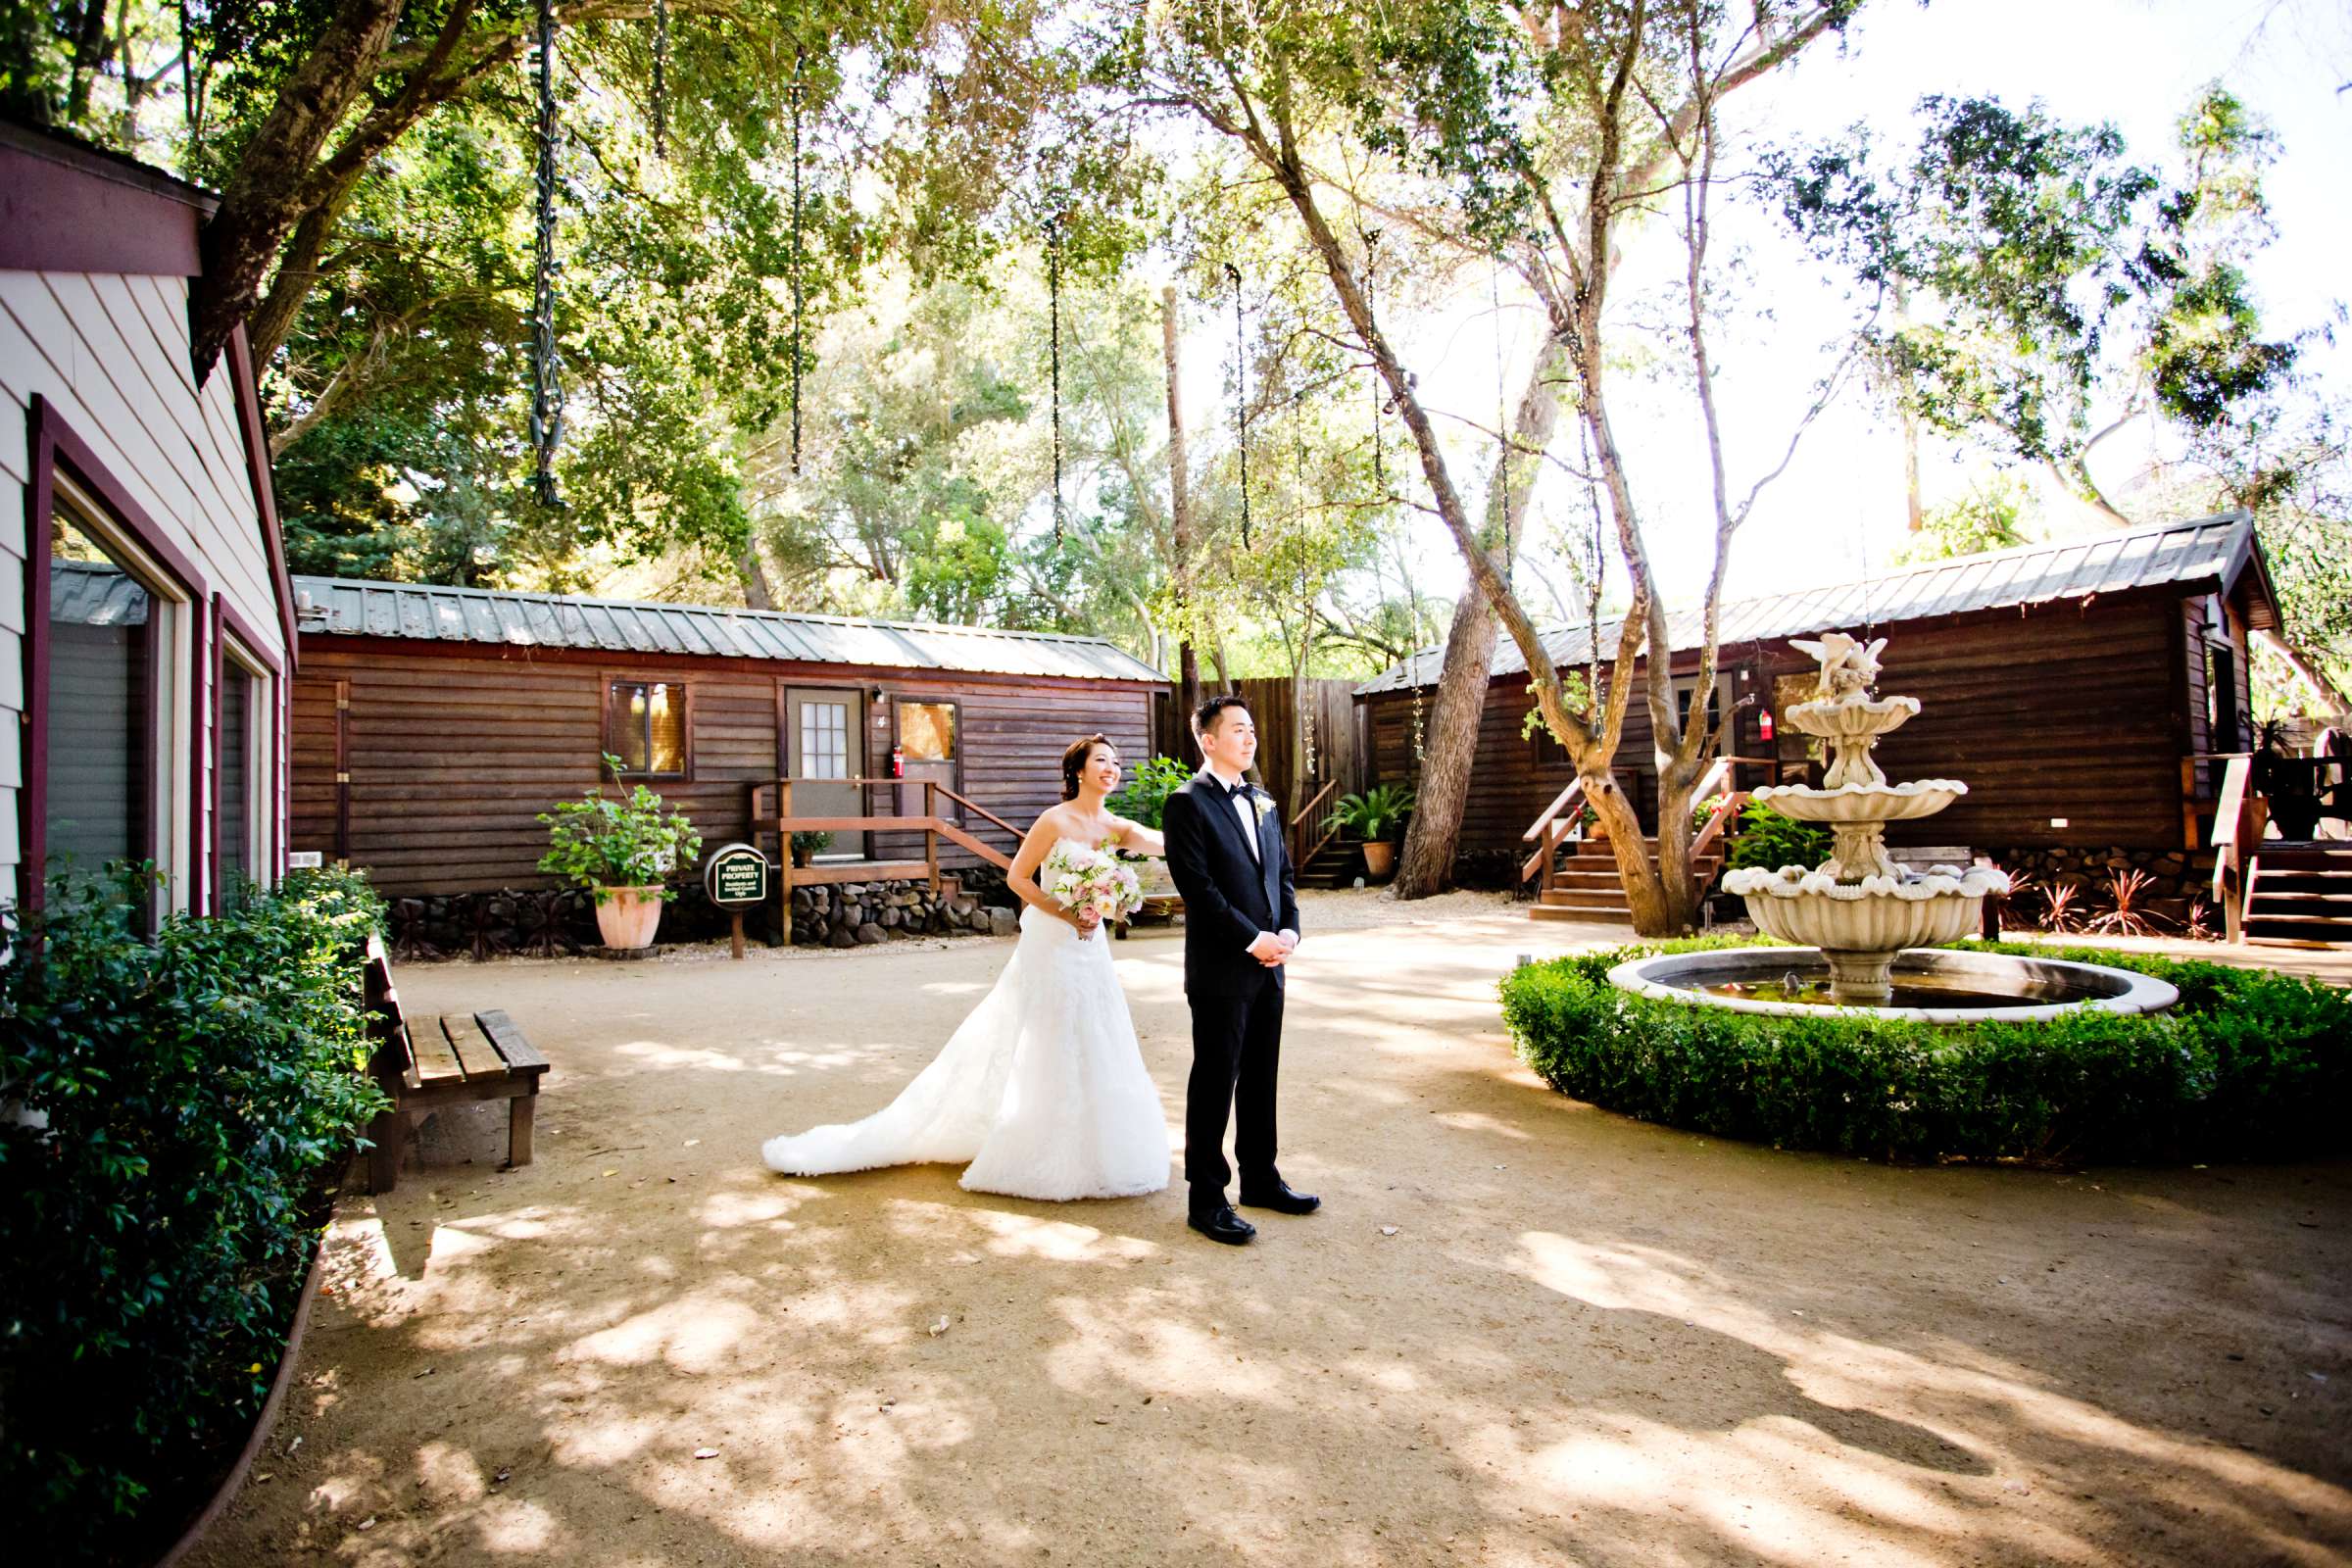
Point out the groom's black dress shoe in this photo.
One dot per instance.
(1279, 1197)
(1222, 1224)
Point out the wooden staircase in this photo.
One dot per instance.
(2299, 893)
(1586, 886)
(1336, 863)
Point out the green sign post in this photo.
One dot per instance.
(736, 878)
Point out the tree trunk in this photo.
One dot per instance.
(757, 592)
(1180, 513)
(1435, 835)
(272, 189)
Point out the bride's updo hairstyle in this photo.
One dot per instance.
(1073, 761)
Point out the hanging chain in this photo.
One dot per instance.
(1241, 398)
(1502, 418)
(1370, 239)
(798, 294)
(1053, 351)
(661, 79)
(547, 366)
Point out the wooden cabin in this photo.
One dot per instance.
(433, 726)
(2080, 690)
(147, 621)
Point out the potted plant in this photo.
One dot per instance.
(805, 846)
(621, 850)
(1377, 816)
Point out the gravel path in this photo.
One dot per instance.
(1522, 1331)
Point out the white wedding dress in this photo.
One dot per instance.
(1042, 1089)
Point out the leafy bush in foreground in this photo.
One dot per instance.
(167, 1103)
(2249, 1065)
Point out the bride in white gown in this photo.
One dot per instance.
(1042, 1089)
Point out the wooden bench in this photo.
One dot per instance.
(427, 1062)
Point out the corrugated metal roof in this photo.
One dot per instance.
(84, 593)
(351, 608)
(2215, 548)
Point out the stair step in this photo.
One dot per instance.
(1541, 911)
(2300, 896)
(2297, 917)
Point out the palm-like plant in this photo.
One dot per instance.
(1376, 815)
(2125, 917)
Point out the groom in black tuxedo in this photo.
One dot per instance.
(1241, 923)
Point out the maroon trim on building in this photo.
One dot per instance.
(264, 492)
(203, 831)
(64, 207)
(227, 623)
(51, 445)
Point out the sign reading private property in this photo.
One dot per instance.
(736, 876)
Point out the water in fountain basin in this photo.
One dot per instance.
(1816, 993)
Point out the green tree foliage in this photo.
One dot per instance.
(2055, 291)
(1990, 515)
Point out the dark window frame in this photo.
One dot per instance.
(896, 699)
(262, 783)
(52, 448)
(603, 721)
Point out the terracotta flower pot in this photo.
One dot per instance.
(628, 916)
(1379, 859)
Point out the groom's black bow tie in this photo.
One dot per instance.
(1236, 791)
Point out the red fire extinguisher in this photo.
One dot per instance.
(1764, 725)
(898, 761)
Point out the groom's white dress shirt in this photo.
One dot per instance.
(1240, 805)
(1247, 813)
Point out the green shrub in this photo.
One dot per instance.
(1769, 841)
(168, 1104)
(2249, 1065)
(1145, 796)
(599, 843)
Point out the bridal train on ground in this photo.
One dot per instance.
(1042, 1089)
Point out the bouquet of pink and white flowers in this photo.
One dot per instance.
(1079, 878)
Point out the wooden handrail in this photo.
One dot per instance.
(1309, 810)
(1719, 822)
(1300, 851)
(1559, 803)
(980, 810)
(2229, 811)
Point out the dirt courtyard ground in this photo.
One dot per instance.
(1522, 1329)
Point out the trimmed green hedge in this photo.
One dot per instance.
(168, 1106)
(2249, 1065)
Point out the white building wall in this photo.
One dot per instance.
(109, 353)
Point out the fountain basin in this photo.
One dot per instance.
(1862, 802)
(1931, 986)
(1853, 721)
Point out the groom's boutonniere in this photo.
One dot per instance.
(1264, 803)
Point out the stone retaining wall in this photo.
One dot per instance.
(846, 914)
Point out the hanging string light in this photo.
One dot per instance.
(661, 79)
(1054, 349)
(799, 295)
(547, 369)
(1241, 397)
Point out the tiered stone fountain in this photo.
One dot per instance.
(1861, 917)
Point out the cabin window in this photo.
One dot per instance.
(927, 731)
(645, 727)
(108, 709)
(241, 772)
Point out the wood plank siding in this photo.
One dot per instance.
(2080, 710)
(454, 749)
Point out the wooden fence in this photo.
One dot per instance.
(1292, 717)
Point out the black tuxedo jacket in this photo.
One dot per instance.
(1229, 894)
